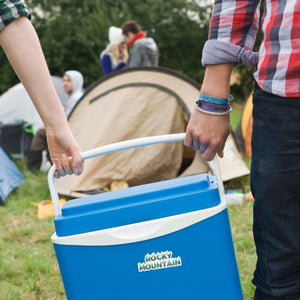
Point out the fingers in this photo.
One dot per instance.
(197, 144)
(209, 153)
(207, 149)
(188, 140)
(68, 166)
(207, 134)
(64, 151)
(202, 148)
(221, 150)
(77, 163)
(59, 168)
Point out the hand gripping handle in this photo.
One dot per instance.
(134, 143)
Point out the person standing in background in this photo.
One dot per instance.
(115, 56)
(143, 51)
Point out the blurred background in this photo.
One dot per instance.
(73, 33)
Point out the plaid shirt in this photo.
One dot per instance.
(233, 29)
(11, 10)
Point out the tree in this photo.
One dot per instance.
(74, 32)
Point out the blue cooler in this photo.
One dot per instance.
(165, 240)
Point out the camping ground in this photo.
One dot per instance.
(28, 266)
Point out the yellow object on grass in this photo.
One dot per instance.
(45, 208)
(118, 185)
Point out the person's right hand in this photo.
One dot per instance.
(62, 146)
(207, 133)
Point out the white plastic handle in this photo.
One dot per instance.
(134, 143)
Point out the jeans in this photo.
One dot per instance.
(275, 184)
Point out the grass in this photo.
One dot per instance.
(28, 266)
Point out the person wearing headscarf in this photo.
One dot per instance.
(73, 86)
(115, 56)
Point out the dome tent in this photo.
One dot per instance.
(18, 116)
(10, 176)
(134, 103)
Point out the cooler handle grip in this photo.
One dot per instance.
(134, 143)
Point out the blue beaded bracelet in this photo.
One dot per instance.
(223, 101)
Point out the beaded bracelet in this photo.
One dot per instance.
(211, 109)
(214, 100)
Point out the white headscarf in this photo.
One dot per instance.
(77, 92)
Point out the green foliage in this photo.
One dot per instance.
(73, 33)
(7, 74)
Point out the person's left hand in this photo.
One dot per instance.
(64, 151)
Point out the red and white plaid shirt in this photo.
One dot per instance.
(233, 29)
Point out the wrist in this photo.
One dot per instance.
(56, 127)
(216, 82)
(215, 100)
(213, 109)
(56, 121)
(213, 105)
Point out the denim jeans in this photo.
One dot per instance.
(275, 184)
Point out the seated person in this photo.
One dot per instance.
(73, 86)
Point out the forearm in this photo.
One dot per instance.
(216, 81)
(22, 48)
(235, 22)
(232, 33)
(208, 133)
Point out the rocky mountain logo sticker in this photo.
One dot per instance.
(159, 260)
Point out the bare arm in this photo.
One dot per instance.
(22, 47)
(211, 131)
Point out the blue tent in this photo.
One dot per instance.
(10, 176)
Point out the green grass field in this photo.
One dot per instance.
(28, 266)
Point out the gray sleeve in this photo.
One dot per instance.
(136, 57)
(218, 52)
